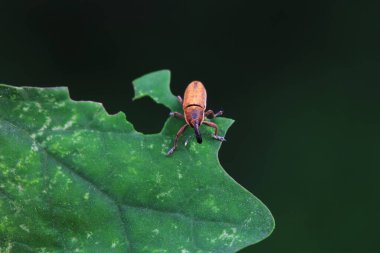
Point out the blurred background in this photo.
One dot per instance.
(301, 79)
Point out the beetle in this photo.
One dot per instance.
(194, 107)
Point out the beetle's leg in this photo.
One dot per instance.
(176, 139)
(176, 114)
(180, 99)
(188, 139)
(215, 135)
(212, 114)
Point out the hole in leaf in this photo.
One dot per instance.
(146, 115)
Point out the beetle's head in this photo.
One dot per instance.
(197, 132)
(194, 117)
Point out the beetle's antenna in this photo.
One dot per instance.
(197, 133)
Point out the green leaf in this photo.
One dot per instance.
(76, 179)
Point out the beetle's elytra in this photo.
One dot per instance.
(194, 106)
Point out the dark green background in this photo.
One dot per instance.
(301, 78)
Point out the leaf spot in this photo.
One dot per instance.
(25, 228)
(26, 108)
(89, 235)
(66, 125)
(142, 144)
(42, 250)
(7, 249)
(59, 104)
(132, 171)
(158, 178)
(43, 127)
(215, 209)
(20, 188)
(114, 244)
(229, 237)
(34, 147)
(179, 174)
(38, 105)
(194, 149)
(165, 194)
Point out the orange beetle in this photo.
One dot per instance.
(194, 106)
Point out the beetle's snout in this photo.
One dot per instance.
(199, 139)
(197, 133)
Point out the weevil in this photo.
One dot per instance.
(194, 112)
